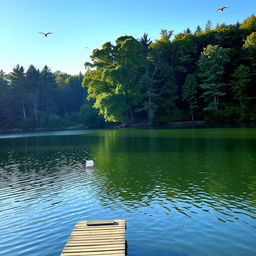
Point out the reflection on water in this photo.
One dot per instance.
(183, 192)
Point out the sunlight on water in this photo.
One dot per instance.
(183, 192)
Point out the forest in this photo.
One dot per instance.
(36, 99)
(207, 74)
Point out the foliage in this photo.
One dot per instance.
(90, 117)
(250, 46)
(113, 79)
(189, 74)
(208, 75)
(37, 99)
(211, 70)
(249, 24)
(190, 93)
(240, 84)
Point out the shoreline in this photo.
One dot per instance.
(176, 124)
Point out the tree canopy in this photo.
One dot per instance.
(206, 74)
(168, 79)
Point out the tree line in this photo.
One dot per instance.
(36, 98)
(208, 74)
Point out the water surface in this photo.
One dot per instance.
(183, 192)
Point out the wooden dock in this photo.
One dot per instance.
(97, 238)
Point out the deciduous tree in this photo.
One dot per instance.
(190, 93)
(211, 70)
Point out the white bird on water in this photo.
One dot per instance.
(89, 164)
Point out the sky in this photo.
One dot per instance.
(79, 26)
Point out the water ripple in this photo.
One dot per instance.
(45, 189)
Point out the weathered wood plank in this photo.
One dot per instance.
(84, 222)
(111, 234)
(97, 238)
(110, 227)
(100, 231)
(85, 244)
(94, 242)
(103, 247)
(115, 224)
(94, 248)
(108, 253)
(100, 222)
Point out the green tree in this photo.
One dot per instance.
(145, 41)
(183, 54)
(162, 90)
(114, 80)
(6, 116)
(70, 93)
(211, 70)
(190, 93)
(187, 31)
(208, 26)
(19, 87)
(33, 84)
(198, 30)
(250, 46)
(148, 78)
(166, 35)
(240, 82)
(90, 117)
(249, 24)
(48, 91)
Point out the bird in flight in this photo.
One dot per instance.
(222, 9)
(45, 34)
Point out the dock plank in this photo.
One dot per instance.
(97, 238)
(98, 253)
(107, 253)
(100, 222)
(92, 242)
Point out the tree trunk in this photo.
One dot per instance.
(47, 107)
(149, 108)
(131, 117)
(35, 109)
(215, 100)
(23, 111)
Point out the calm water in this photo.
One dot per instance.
(187, 192)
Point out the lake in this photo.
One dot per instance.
(183, 192)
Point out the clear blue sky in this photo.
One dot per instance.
(78, 24)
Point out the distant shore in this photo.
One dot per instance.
(177, 124)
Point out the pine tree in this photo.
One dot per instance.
(208, 26)
(198, 30)
(33, 83)
(18, 84)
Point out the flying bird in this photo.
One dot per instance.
(45, 34)
(222, 9)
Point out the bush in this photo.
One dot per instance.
(55, 120)
(90, 116)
